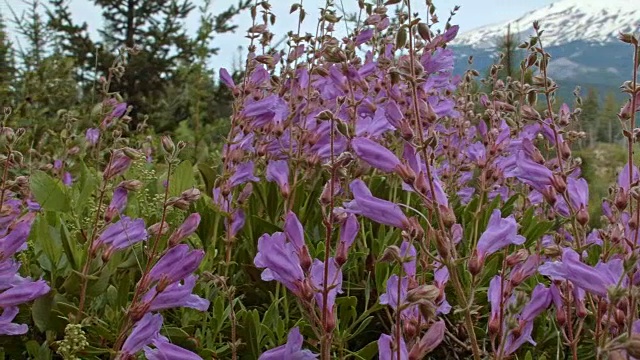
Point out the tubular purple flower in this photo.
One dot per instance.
(178, 294)
(494, 296)
(540, 301)
(513, 343)
(278, 172)
(144, 332)
(122, 234)
(164, 350)
(294, 231)
(117, 166)
(226, 78)
(381, 211)
(593, 280)
(578, 190)
(237, 222)
(67, 179)
(92, 136)
(335, 283)
(280, 262)
(176, 264)
(242, 174)
(500, 232)
(348, 232)
(16, 239)
(188, 227)
(291, 350)
(429, 341)
(387, 349)
(532, 173)
(364, 36)
(522, 271)
(270, 110)
(375, 154)
(22, 292)
(118, 203)
(623, 177)
(7, 327)
(408, 251)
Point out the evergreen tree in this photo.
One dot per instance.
(7, 66)
(33, 28)
(610, 129)
(590, 116)
(153, 30)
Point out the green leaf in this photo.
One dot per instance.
(41, 311)
(88, 184)
(368, 352)
(182, 178)
(46, 239)
(67, 245)
(209, 176)
(49, 192)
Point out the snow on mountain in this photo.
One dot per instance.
(564, 21)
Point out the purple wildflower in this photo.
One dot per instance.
(92, 136)
(278, 172)
(188, 227)
(280, 262)
(16, 239)
(364, 36)
(226, 78)
(500, 232)
(334, 283)
(144, 332)
(7, 327)
(596, 280)
(381, 211)
(176, 264)
(22, 292)
(387, 349)
(118, 203)
(348, 233)
(178, 294)
(164, 350)
(117, 166)
(122, 234)
(375, 154)
(291, 350)
(242, 174)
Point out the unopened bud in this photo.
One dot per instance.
(391, 254)
(428, 292)
(161, 228)
(582, 216)
(132, 153)
(167, 145)
(518, 257)
(131, 185)
(190, 195)
(475, 264)
(621, 200)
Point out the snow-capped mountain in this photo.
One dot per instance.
(564, 21)
(580, 35)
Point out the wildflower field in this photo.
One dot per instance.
(365, 202)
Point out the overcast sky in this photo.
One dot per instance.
(472, 14)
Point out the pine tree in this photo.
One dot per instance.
(590, 116)
(156, 29)
(7, 66)
(33, 28)
(610, 129)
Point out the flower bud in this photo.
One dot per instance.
(131, 185)
(132, 154)
(157, 227)
(475, 264)
(190, 195)
(167, 145)
(428, 292)
(582, 216)
(621, 200)
(518, 257)
(391, 254)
